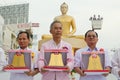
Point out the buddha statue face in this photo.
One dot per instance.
(64, 8)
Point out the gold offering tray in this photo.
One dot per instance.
(93, 63)
(20, 60)
(55, 59)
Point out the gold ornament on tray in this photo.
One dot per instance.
(94, 62)
(18, 60)
(56, 59)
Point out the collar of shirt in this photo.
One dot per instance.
(95, 49)
(24, 49)
(57, 46)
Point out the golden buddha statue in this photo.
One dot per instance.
(94, 62)
(18, 60)
(68, 30)
(68, 22)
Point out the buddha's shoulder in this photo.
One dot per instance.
(61, 17)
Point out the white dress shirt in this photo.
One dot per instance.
(3, 61)
(79, 63)
(56, 75)
(116, 63)
(23, 76)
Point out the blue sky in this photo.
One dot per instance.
(43, 12)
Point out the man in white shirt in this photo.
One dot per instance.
(91, 38)
(116, 64)
(3, 61)
(23, 39)
(56, 43)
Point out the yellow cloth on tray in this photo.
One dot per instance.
(18, 60)
(94, 63)
(56, 60)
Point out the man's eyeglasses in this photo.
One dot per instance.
(93, 36)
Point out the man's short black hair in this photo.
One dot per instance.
(90, 31)
(28, 36)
